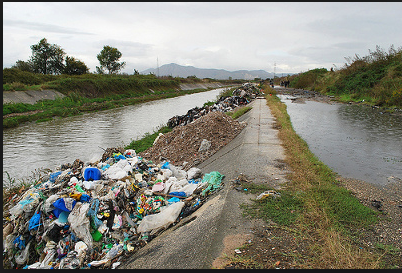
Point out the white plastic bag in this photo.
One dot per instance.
(177, 172)
(167, 216)
(79, 222)
(194, 173)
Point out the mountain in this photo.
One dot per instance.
(176, 70)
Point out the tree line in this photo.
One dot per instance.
(51, 59)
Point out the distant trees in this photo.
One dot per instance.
(51, 59)
(47, 58)
(108, 59)
(23, 66)
(75, 67)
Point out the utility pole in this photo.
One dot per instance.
(274, 71)
(157, 65)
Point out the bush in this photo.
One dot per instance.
(307, 80)
(11, 75)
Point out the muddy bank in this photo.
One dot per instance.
(302, 95)
(388, 201)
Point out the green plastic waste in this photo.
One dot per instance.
(214, 180)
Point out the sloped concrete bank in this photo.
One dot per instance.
(32, 96)
(191, 86)
(214, 231)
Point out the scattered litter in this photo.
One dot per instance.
(265, 194)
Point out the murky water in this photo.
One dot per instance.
(355, 141)
(49, 144)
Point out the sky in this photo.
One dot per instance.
(285, 37)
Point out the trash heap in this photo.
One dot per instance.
(190, 145)
(248, 90)
(241, 96)
(94, 215)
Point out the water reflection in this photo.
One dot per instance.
(59, 141)
(355, 141)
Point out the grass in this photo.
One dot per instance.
(147, 140)
(314, 203)
(238, 112)
(75, 104)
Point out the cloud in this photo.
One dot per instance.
(42, 27)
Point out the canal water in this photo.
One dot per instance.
(35, 146)
(355, 141)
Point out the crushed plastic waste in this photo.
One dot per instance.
(265, 194)
(93, 215)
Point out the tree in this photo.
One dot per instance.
(108, 59)
(23, 66)
(75, 67)
(47, 58)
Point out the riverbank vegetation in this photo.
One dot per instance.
(316, 208)
(375, 79)
(87, 92)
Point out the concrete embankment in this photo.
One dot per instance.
(218, 227)
(32, 96)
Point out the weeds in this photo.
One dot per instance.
(375, 78)
(238, 112)
(147, 140)
(313, 203)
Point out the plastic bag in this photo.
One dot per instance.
(113, 253)
(48, 206)
(118, 170)
(194, 173)
(63, 204)
(214, 180)
(23, 257)
(177, 172)
(163, 219)
(34, 221)
(71, 261)
(79, 223)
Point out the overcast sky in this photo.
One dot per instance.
(297, 36)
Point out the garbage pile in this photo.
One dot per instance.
(248, 90)
(190, 145)
(93, 215)
(241, 96)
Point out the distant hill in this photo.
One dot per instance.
(176, 70)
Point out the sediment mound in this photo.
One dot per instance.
(183, 143)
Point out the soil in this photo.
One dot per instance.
(276, 247)
(22, 114)
(181, 146)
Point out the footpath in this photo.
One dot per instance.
(216, 229)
